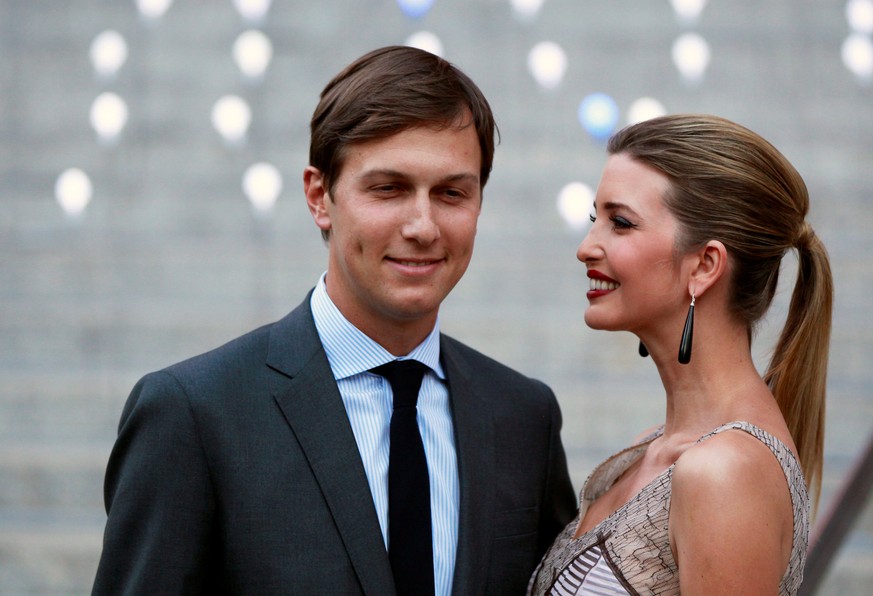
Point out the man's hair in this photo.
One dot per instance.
(390, 90)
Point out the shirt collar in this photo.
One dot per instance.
(350, 351)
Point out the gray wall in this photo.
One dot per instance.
(169, 260)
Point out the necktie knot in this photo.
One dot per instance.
(405, 377)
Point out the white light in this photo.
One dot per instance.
(645, 108)
(857, 53)
(688, 10)
(574, 205)
(73, 191)
(253, 11)
(108, 116)
(547, 63)
(691, 56)
(526, 9)
(231, 117)
(108, 53)
(252, 52)
(859, 13)
(427, 41)
(262, 184)
(153, 9)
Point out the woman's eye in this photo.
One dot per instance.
(592, 218)
(621, 223)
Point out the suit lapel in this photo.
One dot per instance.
(310, 401)
(474, 442)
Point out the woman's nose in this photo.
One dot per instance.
(588, 249)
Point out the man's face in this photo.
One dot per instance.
(402, 219)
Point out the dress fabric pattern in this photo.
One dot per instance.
(629, 551)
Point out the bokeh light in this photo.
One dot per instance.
(153, 9)
(252, 52)
(547, 62)
(574, 205)
(427, 41)
(262, 184)
(859, 14)
(231, 117)
(691, 56)
(73, 191)
(857, 54)
(688, 10)
(108, 53)
(598, 115)
(108, 116)
(645, 108)
(526, 10)
(253, 11)
(415, 9)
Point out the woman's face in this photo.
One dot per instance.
(634, 273)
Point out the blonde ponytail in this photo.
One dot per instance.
(798, 370)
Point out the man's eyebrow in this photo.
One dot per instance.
(382, 172)
(462, 177)
(459, 177)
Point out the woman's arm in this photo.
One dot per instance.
(731, 518)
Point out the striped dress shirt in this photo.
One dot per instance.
(368, 401)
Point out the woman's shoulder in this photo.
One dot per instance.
(729, 490)
(732, 483)
(732, 460)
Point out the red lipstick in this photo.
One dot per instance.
(600, 284)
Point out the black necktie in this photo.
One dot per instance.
(410, 547)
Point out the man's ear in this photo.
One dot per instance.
(710, 266)
(316, 197)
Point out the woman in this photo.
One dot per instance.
(692, 218)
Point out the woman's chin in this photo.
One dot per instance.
(595, 322)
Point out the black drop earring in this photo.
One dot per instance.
(643, 351)
(687, 335)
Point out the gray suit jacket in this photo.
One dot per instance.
(237, 472)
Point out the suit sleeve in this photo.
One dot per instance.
(158, 497)
(559, 504)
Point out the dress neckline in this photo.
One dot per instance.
(638, 449)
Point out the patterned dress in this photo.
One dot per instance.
(629, 552)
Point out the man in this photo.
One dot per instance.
(262, 467)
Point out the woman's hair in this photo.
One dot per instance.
(731, 185)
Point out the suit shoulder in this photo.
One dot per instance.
(247, 348)
(214, 383)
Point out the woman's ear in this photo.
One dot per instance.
(710, 266)
(316, 197)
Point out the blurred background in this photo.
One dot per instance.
(151, 208)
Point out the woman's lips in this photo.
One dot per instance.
(600, 284)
